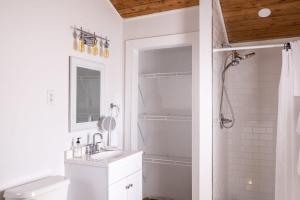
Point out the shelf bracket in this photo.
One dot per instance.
(141, 133)
(141, 94)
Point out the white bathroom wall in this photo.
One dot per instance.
(253, 90)
(36, 42)
(166, 23)
(219, 138)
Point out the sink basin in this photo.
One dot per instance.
(101, 159)
(106, 155)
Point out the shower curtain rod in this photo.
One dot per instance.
(284, 45)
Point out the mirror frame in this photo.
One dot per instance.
(88, 64)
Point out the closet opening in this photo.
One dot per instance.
(161, 114)
(165, 122)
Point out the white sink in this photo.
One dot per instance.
(106, 155)
(101, 159)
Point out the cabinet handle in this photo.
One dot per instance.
(129, 186)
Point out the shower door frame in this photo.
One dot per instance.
(133, 47)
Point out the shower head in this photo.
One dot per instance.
(236, 58)
(249, 55)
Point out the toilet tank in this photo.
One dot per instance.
(48, 188)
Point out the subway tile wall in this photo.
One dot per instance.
(251, 143)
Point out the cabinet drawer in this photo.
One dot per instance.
(124, 167)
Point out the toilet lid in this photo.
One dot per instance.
(35, 188)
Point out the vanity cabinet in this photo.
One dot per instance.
(118, 178)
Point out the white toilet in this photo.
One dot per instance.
(49, 188)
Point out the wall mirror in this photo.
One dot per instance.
(86, 93)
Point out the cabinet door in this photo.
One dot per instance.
(134, 183)
(118, 191)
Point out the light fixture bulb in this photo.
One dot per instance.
(106, 53)
(101, 48)
(94, 47)
(81, 42)
(81, 46)
(106, 49)
(89, 49)
(95, 50)
(264, 12)
(75, 43)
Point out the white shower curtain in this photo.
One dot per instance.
(287, 181)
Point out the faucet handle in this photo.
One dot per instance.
(99, 146)
(88, 149)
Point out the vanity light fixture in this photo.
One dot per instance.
(85, 41)
(264, 12)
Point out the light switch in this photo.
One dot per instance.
(50, 97)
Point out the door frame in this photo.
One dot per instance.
(132, 49)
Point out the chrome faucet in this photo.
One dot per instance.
(95, 148)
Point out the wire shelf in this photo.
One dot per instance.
(167, 160)
(166, 75)
(166, 117)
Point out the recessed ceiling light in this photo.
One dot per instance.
(264, 12)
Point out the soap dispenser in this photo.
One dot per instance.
(78, 149)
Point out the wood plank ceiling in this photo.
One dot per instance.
(134, 8)
(243, 23)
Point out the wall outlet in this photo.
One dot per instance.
(50, 97)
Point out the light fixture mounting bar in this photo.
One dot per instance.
(90, 34)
